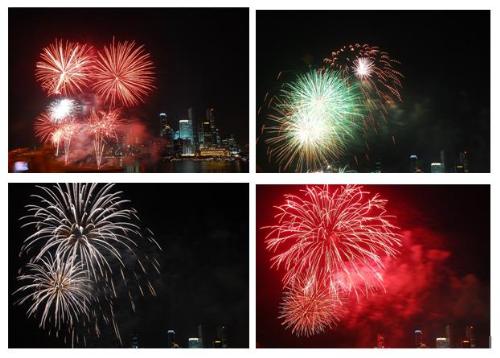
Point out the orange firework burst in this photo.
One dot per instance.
(65, 67)
(308, 308)
(123, 74)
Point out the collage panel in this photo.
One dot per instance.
(128, 90)
(373, 266)
(373, 91)
(110, 266)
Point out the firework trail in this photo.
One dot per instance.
(312, 119)
(103, 125)
(65, 67)
(58, 291)
(338, 237)
(123, 74)
(89, 228)
(308, 308)
(374, 69)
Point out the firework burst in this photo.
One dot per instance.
(312, 119)
(374, 69)
(308, 309)
(65, 67)
(95, 237)
(103, 125)
(62, 109)
(58, 291)
(337, 237)
(84, 222)
(123, 74)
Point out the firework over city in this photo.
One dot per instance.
(348, 91)
(101, 265)
(393, 266)
(127, 91)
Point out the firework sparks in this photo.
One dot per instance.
(65, 67)
(336, 237)
(103, 125)
(94, 236)
(82, 221)
(375, 70)
(123, 74)
(312, 119)
(57, 289)
(308, 309)
(61, 109)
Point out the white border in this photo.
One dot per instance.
(385, 178)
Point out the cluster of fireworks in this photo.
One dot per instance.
(316, 116)
(91, 89)
(86, 252)
(330, 243)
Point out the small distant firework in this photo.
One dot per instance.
(65, 68)
(86, 241)
(103, 125)
(58, 291)
(61, 109)
(331, 243)
(309, 309)
(123, 74)
(374, 68)
(312, 119)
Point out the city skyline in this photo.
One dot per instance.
(203, 66)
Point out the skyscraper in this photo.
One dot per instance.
(413, 163)
(441, 342)
(135, 342)
(213, 128)
(470, 336)
(194, 342)
(419, 338)
(449, 335)
(186, 129)
(170, 338)
(222, 336)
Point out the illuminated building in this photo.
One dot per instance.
(419, 341)
(200, 335)
(222, 336)
(441, 342)
(186, 129)
(214, 152)
(466, 343)
(135, 342)
(194, 342)
(413, 163)
(437, 167)
(470, 336)
(170, 338)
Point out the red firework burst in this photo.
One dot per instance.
(337, 237)
(103, 125)
(309, 309)
(123, 74)
(65, 67)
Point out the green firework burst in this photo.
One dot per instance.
(313, 118)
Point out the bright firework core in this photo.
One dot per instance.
(363, 67)
(61, 109)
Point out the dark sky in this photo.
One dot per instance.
(200, 55)
(442, 275)
(445, 60)
(203, 230)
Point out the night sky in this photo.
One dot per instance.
(203, 230)
(200, 56)
(445, 60)
(442, 275)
